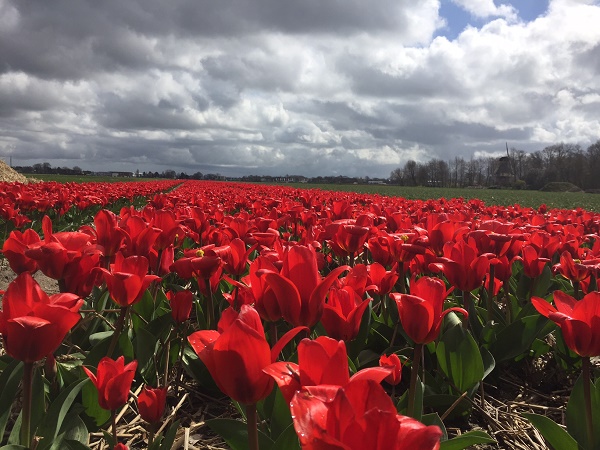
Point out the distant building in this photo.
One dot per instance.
(503, 175)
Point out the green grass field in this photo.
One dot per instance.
(504, 197)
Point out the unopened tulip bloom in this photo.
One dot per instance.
(236, 355)
(128, 279)
(151, 404)
(33, 324)
(421, 312)
(113, 380)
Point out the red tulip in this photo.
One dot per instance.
(181, 305)
(236, 355)
(579, 320)
(14, 250)
(392, 361)
(151, 403)
(421, 312)
(320, 361)
(343, 313)
(572, 269)
(463, 266)
(113, 380)
(128, 279)
(54, 254)
(381, 280)
(299, 288)
(120, 446)
(533, 264)
(357, 416)
(32, 324)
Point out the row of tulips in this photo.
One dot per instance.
(206, 278)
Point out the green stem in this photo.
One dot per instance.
(113, 417)
(252, 423)
(210, 314)
(490, 296)
(588, 401)
(414, 373)
(118, 330)
(27, 391)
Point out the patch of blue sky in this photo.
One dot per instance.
(457, 18)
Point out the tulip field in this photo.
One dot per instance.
(212, 315)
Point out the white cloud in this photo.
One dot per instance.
(487, 8)
(358, 95)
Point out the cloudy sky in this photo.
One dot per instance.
(310, 87)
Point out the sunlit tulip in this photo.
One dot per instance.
(320, 361)
(579, 320)
(357, 416)
(113, 381)
(128, 279)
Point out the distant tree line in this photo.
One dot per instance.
(555, 163)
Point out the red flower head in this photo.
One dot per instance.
(299, 288)
(533, 264)
(421, 312)
(392, 361)
(113, 380)
(358, 416)
(55, 253)
(120, 446)
(579, 321)
(572, 269)
(151, 403)
(343, 313)
(14, 249)
(320, 361)
(463, 266)
(181, 305)
(32, 324)
(128, 279)
(236, 355)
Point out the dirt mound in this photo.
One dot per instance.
(7, 173)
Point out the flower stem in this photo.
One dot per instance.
(113, 416)
(414, 372)
(252, 423)
(210, 314)
(118, 330)
(27, 391)
(490, 297)
(588, 401)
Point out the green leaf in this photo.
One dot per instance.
(576, 421)
(169, 438)
(13, 447)
(459, 358)
(89, 395)
(287, 440)
(556, 437)
(281, 418)
(435, 419)
(235, 433)
(9, 383)
(57, 412)
(142, 309)
(466, 440)
(75, 445)
(517, 338)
